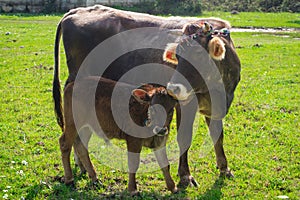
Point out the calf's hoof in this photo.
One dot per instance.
(186, 181)
(226, 173)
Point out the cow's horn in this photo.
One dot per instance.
(206, 27)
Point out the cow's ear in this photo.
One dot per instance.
(170, 53)
(216, 48)
(140, 95)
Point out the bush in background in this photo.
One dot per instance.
(167, 7)
(49, 6)
(178, 7)
(291, 5)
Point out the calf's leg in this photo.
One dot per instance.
(66, 141)
(216, 133)
(83, 154)
(162, 159)
(84, 138)
(134, 147)
(79, 163)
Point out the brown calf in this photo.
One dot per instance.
(142, 113)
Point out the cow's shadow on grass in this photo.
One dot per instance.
(214, 193)
(66, 192)
(58, 190)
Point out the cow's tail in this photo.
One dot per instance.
(56, 90)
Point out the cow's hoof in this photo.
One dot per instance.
(226, 173)
(186, 181)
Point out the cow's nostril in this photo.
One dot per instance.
(176, 90)
(160, 131)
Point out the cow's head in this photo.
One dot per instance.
(160, 107)
(194, 54)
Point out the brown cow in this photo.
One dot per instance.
(206, 57)
(141, 111)
(83, 29)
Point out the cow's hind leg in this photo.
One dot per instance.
(216, 133)
(162, 159)
(66, 141)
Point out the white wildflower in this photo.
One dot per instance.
(283, 197)
(20, 172)
(5, 196)
(24, 162)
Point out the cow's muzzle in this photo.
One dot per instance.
(178, 91)
(160, 131)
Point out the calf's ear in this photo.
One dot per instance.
(140, 95)
(170, 53)
(216, 48)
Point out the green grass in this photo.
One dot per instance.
(256, 19)
(261, 131)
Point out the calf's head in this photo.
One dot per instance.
(160, 107)
(195, 55)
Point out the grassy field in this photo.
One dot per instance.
(261, 131)
(255, 19)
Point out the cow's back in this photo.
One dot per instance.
(84, 28)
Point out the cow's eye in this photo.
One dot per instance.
(147, 122)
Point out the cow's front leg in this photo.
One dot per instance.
(134, 147)
(162, 159)
(185, 119)
(216, 133)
